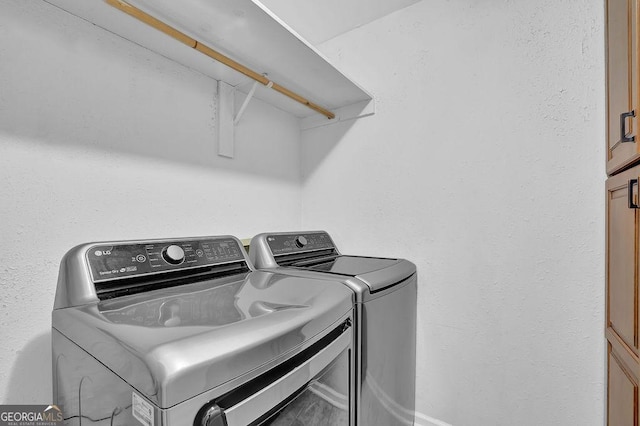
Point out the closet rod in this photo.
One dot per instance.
(185, 39)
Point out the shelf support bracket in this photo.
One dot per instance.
(226, 126)
(238, 116)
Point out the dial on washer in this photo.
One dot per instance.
(301, 241)
(173, 254)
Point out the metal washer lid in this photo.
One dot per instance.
(274, 315)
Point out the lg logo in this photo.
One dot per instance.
(102, 253)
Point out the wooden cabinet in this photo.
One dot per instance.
(623, 214)
(622, 239)
(622, 84)
(622, 404)
(622, 297)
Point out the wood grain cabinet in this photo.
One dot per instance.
(622, 297)
(623, 213)
(622, 84)
(622, 404)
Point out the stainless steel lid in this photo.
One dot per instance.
(183, 341)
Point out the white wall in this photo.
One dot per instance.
(484, 164)
(102, 139)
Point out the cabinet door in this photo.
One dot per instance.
(622, 83)
(622, 257)
(622, 401)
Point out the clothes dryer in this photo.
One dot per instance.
(385, 310)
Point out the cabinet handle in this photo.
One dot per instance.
(624, 136)
(632, 204)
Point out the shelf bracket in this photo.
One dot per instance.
(225, 124)
(238, 116)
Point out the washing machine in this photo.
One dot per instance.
(184, 332)
(385, 316)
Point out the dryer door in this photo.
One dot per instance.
(312, 388)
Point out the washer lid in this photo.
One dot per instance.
(314, 251)
(175, 343)
(378, 273)
(350, 265)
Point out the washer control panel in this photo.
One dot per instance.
(293, 243)
(109, 262)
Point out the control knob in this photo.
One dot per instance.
(301, 241)
(173, 254)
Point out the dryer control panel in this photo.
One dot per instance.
(108, 262)
(293, 243)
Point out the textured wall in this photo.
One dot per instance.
(102, 139)
(484, 164)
